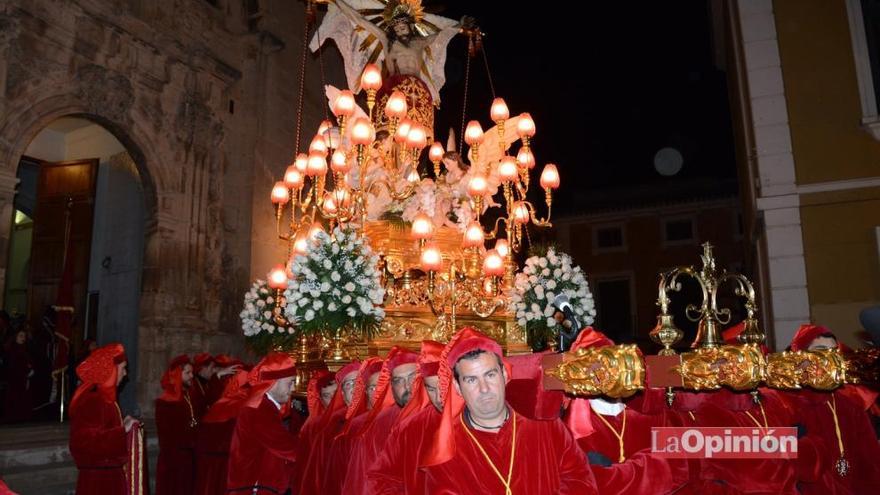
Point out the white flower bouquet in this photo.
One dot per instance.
(261, 332)
(336, 285)
(540, 281)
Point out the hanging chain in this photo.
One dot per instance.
(321, 66)
(302, 73)
(488, 72)
(467, 74)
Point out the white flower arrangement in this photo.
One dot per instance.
(336, 285)
(540, 281)
(257, 319)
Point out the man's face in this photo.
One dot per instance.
(371, 389)
(402, 378)
(823, 343)
(481, 383)
(348, 387)
(327, 393)
(186, 376)
(121, 371)
(282, 388)
(432, 386)
(207, 371)
(401, 28)
(20, 338)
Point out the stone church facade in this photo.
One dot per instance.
(203, 95)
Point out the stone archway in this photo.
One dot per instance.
(118, 310)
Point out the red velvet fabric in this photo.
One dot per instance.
(175, 469)
(262, 452)
(547, 461)
(98, 443)
(737, 476)
(366, 448)
(859, 441)
(338, 458)
(396, 469)
(329, 425)
(98, 372)
(525, 390)
(212, 456)
(642, 471)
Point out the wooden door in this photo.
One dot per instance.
(62, 188)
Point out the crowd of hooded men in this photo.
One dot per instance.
(455, 418)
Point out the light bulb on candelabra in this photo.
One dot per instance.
(396, 107)
(473, 235)
(301, 244)
(478, 185)
(493, 264)
(344, 104)
(550, 177)
(525, 158)
(301, 162)
(435, 154)
(371, 79)
(362, 132)
(507, 170)
(339, 163)
(417, 138)
(277, 278)
(502, 248)
(402, 131)
(318, 145)
(422, 226)
(499, 111)
(520, 212)
(317, 164)
(280, 194)
(525, 127)
(473, 134)
(293, 178)
(431, 260)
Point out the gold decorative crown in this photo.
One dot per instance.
(404, 8)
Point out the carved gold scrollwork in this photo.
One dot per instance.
(821, 370)
(739, 367)
(613, 371)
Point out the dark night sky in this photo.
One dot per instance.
(649, 80)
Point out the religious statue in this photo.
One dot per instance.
(397, 35)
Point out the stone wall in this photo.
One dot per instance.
(203, 96)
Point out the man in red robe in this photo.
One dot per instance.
(329, 426)
(396, 468)
(215, 435)
(262, 452)
(339, 457)
(483, 446)
(840, 420)
(176, 426)
(393, 392)
(616, 439)
(98, 441)
(319, 393)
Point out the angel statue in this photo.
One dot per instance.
(400, 37)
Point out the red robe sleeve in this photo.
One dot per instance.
(366, 448)
(97, 438)
(262, 450)
(641, 471)
(99, 446)
(396, 469)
